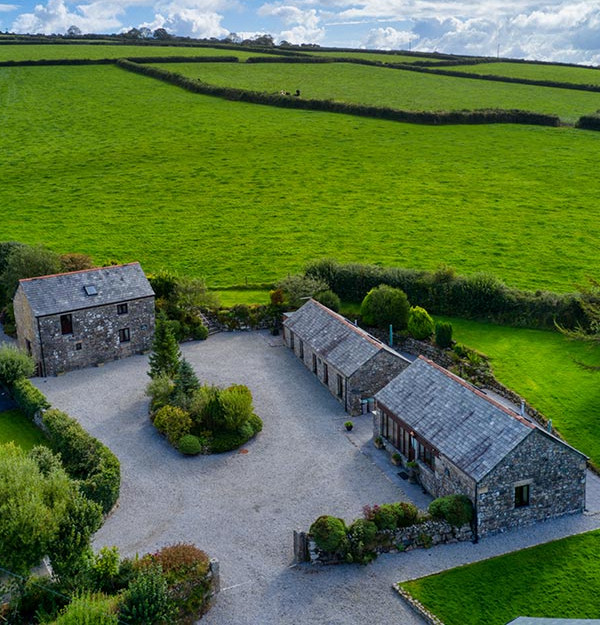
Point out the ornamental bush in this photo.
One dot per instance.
(14, 364)
(406, 514)
(330, 299)
(455, 509)
(385, 305)
(173, 422)
(420, 324)
(88, 609)
(443, 334)
(29, 398)
(146, 601)
(189, 445)
(384, 516)
(329, 533)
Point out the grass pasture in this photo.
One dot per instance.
(15, 427)
(98, 160)
(36, 52)
(541, 367)
(533, 71)
(405, 90)
(555, 580)
(371, 56)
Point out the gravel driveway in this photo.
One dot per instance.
(242, 507)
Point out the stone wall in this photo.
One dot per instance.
(95, 336)
(26, 325)
(422, 535)
(554, 473)
(418, 607)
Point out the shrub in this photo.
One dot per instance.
(362, 537)
(297, 288)
(330, 299)
(384, 516)
(29, 398)
(443, 334)
(236, 405)
(75, 262)
(105, 569)
(186, 571)
(420, 324)
(406, 514)
(329, 533)
(85, 458)
(165, 355)
(455, 509)
(146, 601)
(87, 609)
(189, 445)
(25, 261)
(199, 332)
(159, 390)
(383, 306)
(186, 380)
(14, 364)
(173, 422)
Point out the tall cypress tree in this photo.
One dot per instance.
(165, 355)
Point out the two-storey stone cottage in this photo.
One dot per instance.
(353, 364)
(463, 441)
(81, 318)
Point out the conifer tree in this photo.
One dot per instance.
(186, 380)
(165, 354)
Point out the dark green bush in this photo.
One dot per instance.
(29, 398)
(14, 364)
(329, 533)
(146, 601)
(190, 445)
(385, 305)
(420, 324)
(85, 458)
(199, 332)
(406, 514)
(455, 509)
(362, 536)
(384, 516)
(330, 299)
(443, 334)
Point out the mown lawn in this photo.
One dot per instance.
(555, 580)
(541, 367)
(559, 73)
(15, 427)
(405, 90)
(35, 52)
(120, 166)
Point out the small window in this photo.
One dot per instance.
(78, 347)
(291, 340)
(90, 289)
(124, 335)
(122, 309)
(522, 496)
(301, 350)
(340, 386)
(314, 363)
(326, 374)
(66, 324)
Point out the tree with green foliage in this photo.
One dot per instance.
(165, 355)
(298, 288)
(443, 334)
(330, 299)
(385, 305)
(420, 323)
(89, 609)
(186, 380)
(146, 600)
(25, 261)
(14, 364)
(32, 507)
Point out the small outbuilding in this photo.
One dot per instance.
(72, 320)
(353, 364)
(463, 441)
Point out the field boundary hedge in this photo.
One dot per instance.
(140, 59)
(489, 116)
(480, 296)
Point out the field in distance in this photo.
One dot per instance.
(106, 51)
(533, 71)
(379, 86)
(372, 56)
(121, 166)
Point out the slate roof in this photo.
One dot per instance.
(64, 292)
(337, 340)
(528, 620)
(469, 428)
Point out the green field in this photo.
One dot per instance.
(15, 427)
(405, 90)
(102, 51)
(532, 71)
(555, 580)
(372, 56)
(541, 367)
(231, 297)
(121, 166)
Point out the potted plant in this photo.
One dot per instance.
(396, 459)
(349, 425)
(378, 441)
(413, 471)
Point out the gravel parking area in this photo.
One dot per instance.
(242, 507)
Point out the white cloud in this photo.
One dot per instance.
(304, 24)
(189, 22)
(389, 38)
(8, 7)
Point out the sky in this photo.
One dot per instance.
(567, 31)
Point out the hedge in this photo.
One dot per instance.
(85, 458)
(29, 398)
(484, 116)
(479, 296)
(588, 122)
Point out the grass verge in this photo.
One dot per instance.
(14, 426)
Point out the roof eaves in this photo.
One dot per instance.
(69, 273)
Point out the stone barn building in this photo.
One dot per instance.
(463, 441)
(353, 364)
(73, 320)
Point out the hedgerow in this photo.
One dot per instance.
(29, 398)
